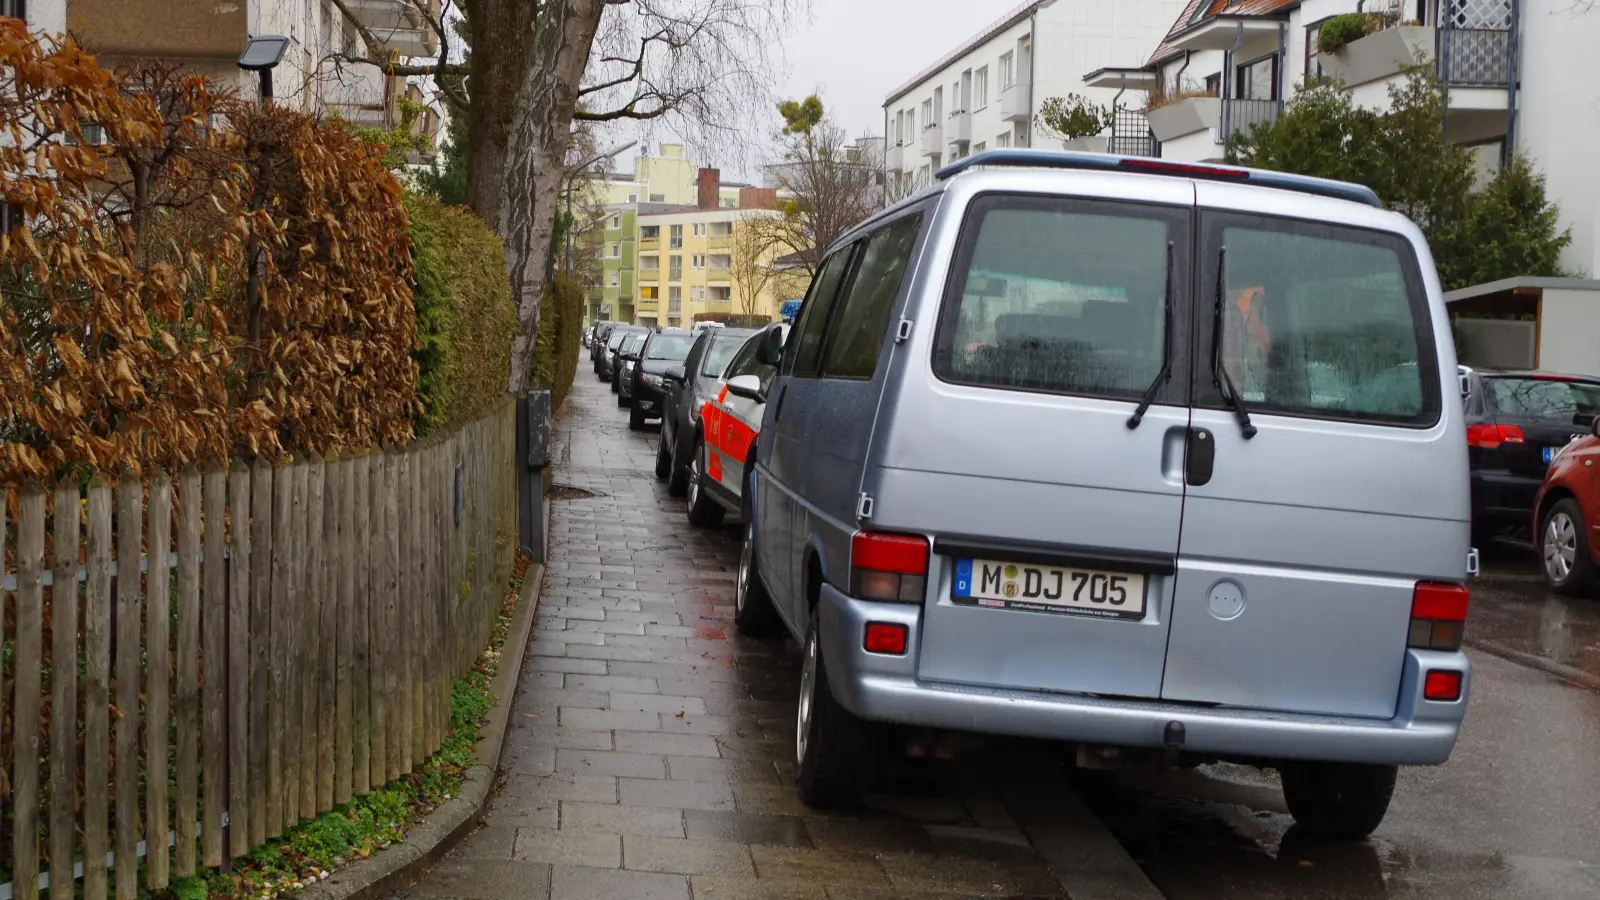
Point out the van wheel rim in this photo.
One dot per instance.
(745, 553)
(808, 693)
(1560, 546)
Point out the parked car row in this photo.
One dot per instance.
(1165, 462)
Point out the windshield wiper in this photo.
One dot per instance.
(1165, 375)
(1219, 372)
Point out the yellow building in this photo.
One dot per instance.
(668, 177)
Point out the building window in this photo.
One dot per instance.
(980, 88)
(674, 299)
(16, 9)
(1002, 140)
(677, 237)
(698, 294)
(1020, 138)
(721, 294)
(658, 198)
(927, 114)
(675, 268)
(633, 198)
(729, 203)
(650, 263)
(697, 261)
(1214, 85)
(1257, 79)
(721, 229)
(979, 147)
(699, 229)
(616, 222)
(1008, 70)
(616, 279)
(721, 262)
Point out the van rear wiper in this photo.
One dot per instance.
(1219, 372)
(1165, 375)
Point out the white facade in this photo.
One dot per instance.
(985, 94)
(1217, 65)
(42, 16)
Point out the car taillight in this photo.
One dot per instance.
(1490, 436)
(885, 637)
(1438, 616)
(888, 566)
(1443, 687)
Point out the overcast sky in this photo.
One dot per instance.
(853, 53)
(857, 51)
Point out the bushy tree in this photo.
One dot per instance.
(1071, 117)
(1509, 228)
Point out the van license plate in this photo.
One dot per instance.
(1050, 589)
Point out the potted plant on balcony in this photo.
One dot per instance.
(1364, 47)
(1076, 121)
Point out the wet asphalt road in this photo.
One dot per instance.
(1514, 814)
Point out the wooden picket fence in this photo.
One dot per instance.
(288, 639)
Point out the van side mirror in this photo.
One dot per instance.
(746, 386)
(770, 353)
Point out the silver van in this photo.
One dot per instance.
(1163, 461)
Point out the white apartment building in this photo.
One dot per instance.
(985, 93)
(1512, 69)
(42, 16)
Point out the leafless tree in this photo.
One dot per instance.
(536, 67)
(833, 182)
(757, 240)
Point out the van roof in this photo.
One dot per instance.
(1106, 162)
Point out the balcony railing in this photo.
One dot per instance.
(1475, 57)
(1238, 116)
(932, 141)
(1131, 134)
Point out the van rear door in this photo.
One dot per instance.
(1055, 516)
(1306, 531)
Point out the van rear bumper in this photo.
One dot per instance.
(885, 688)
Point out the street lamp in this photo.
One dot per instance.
(570, 178)
(261, 55)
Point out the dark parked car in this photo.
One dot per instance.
(607, 364)
(689, 388)
(1516, 424)
(597, 342)
(624, 361)
(648, 387)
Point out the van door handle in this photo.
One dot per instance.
(1201, 457)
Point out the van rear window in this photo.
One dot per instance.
(1058, 296)
(1320, 321)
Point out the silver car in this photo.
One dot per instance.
(1154, 459)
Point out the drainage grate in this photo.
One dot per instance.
(568, 492)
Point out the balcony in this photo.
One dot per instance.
(719, 241)
(650, 276)
(1474, 62)
(1016, 102)
(958, 128)
(398, 25)
(932, 141)
(647, 244)
(1131, 134)
(894, 158)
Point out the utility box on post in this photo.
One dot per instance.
(533, 456)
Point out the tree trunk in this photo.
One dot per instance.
(535, 161)
(502, 34)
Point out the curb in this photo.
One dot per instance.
(441, 830)
(1576, 677)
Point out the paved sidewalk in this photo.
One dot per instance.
(650, 752)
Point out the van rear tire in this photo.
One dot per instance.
(836, 753)
(1338, 801)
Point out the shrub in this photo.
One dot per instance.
(1072, 117)
(465, 316)
(177, 293)
(1341, 30)
(560, 338)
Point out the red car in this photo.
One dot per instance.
(1566, 515)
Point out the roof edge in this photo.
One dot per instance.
(1522, 281)
(1022, 12)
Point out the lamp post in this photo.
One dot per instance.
(261, 55)
(570, 178)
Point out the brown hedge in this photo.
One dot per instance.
(194, 277)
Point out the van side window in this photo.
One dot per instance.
(814, 314)
(1063, 296)
(1320, 320)
(858, 330)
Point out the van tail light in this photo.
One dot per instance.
(1490, 436)
(1438, 616)
(888, 567)
(1443, 687)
